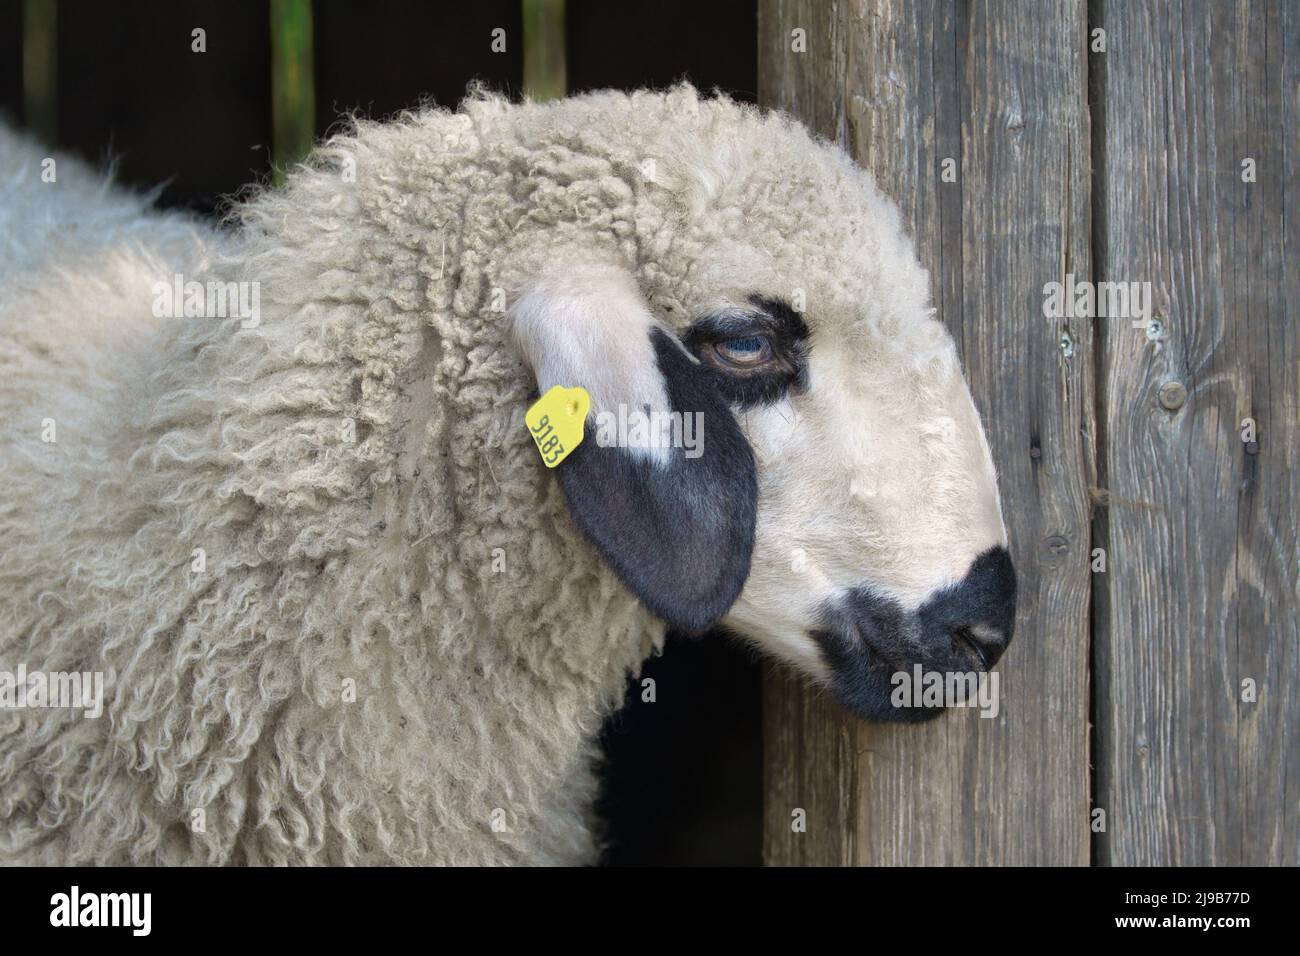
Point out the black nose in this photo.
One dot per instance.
(976, 616)
(868, 639)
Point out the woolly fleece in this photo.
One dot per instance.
(371, 511)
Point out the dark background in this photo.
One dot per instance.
(683, 774)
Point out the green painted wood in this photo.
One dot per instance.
(544, 58)
(40, 68)
(293, 79)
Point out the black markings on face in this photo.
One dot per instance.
(754, 356)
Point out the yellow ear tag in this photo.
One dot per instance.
(556, 421)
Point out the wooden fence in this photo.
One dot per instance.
(1150, 710)
(1151, 700)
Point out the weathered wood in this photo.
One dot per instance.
(1202, 534)
(1001, 88)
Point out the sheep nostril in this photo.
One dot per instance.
(986, 644)
(979, 612)
(963, 635)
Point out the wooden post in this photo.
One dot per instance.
(1198, 706)
(1001, 90)
(544, 61)
(293, 83)
(40, 69)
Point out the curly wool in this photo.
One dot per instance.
(342, 613)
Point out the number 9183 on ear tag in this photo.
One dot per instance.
(555, 422)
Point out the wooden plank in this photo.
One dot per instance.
(1203, 543)
(544, 71)
(11, 60)
(40, 68)
(1001, 88)
(293, 84)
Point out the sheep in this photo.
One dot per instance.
(344, 612)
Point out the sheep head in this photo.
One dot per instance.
(781, 440)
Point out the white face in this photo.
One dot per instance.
(879, 542)
(875, 475)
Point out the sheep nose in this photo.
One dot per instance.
(974, 618)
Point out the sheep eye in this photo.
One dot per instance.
(756, 355)
(747, 352)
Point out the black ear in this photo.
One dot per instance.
(678, 531)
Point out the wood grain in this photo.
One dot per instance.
(1001, 88)
(1202, 534)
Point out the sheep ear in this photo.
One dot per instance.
(663, 484)
(677, 526)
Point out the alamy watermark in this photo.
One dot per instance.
(20, 690)
(130, 910)
(1098, 300)
(922, 688)
(192, 299)
(638, 428)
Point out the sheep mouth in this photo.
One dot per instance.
(893, 642)
(862, 674)
(868, 655)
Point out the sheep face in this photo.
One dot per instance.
(840, 508)
(830, 494)
(879, 541)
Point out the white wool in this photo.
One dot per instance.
(341, 610)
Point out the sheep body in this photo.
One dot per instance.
(341, 611)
